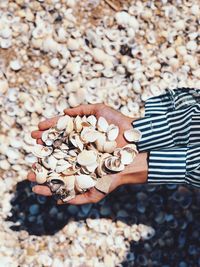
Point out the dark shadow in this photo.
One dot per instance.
(174, 212)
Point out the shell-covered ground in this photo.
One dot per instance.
(56, 54)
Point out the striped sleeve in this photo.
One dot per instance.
(193, 166)
(174, 128)
(180, 165)
(172, 99)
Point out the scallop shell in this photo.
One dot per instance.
(132, 135)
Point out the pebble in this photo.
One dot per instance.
(34, 209)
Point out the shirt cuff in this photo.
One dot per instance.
(167, 166)
(155, 133)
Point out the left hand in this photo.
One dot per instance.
(135, 173)
(91, 196)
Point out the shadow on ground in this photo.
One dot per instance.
(173, 211)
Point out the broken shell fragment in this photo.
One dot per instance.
(132, 135)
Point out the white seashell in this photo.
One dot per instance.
(113, 163)
(102, 125)
(41, 151)
(6, 33)
(112, 132)
(62, 165)
(92, 120)
(41, 173)
(5, 43)
(132, 135)
(73, 44)
(92, 167)
(12, 153)
(78, 124)
(73, 68)
(99, 55)
(76, 141)
(126, 157)
(89, 135)
(87, 157)
(123, 18)
(109, 146)
(192, 45)
(54, 62)
(69, 182)
(3, 86)
(84, 182)
(65, 123)
(100, 142)
(49, 162)
(15, 65)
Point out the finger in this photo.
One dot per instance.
(31, 176)
(42, 190)
(91, 196)
(44, 125)
(78, 200)
(36, 134)
(40, 142)
(82, 110)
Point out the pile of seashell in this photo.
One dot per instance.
(78, 151)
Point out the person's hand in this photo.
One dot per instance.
(135, 173)
(98, 110)
(113, 117)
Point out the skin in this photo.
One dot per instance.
(135, 173)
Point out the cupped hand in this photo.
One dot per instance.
(113, 117)
(135, 173)
(98, 110)
(91, 196)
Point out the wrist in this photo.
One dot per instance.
(137, 172)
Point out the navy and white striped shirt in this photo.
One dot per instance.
(171, 136)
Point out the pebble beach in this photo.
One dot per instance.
(57, 54)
